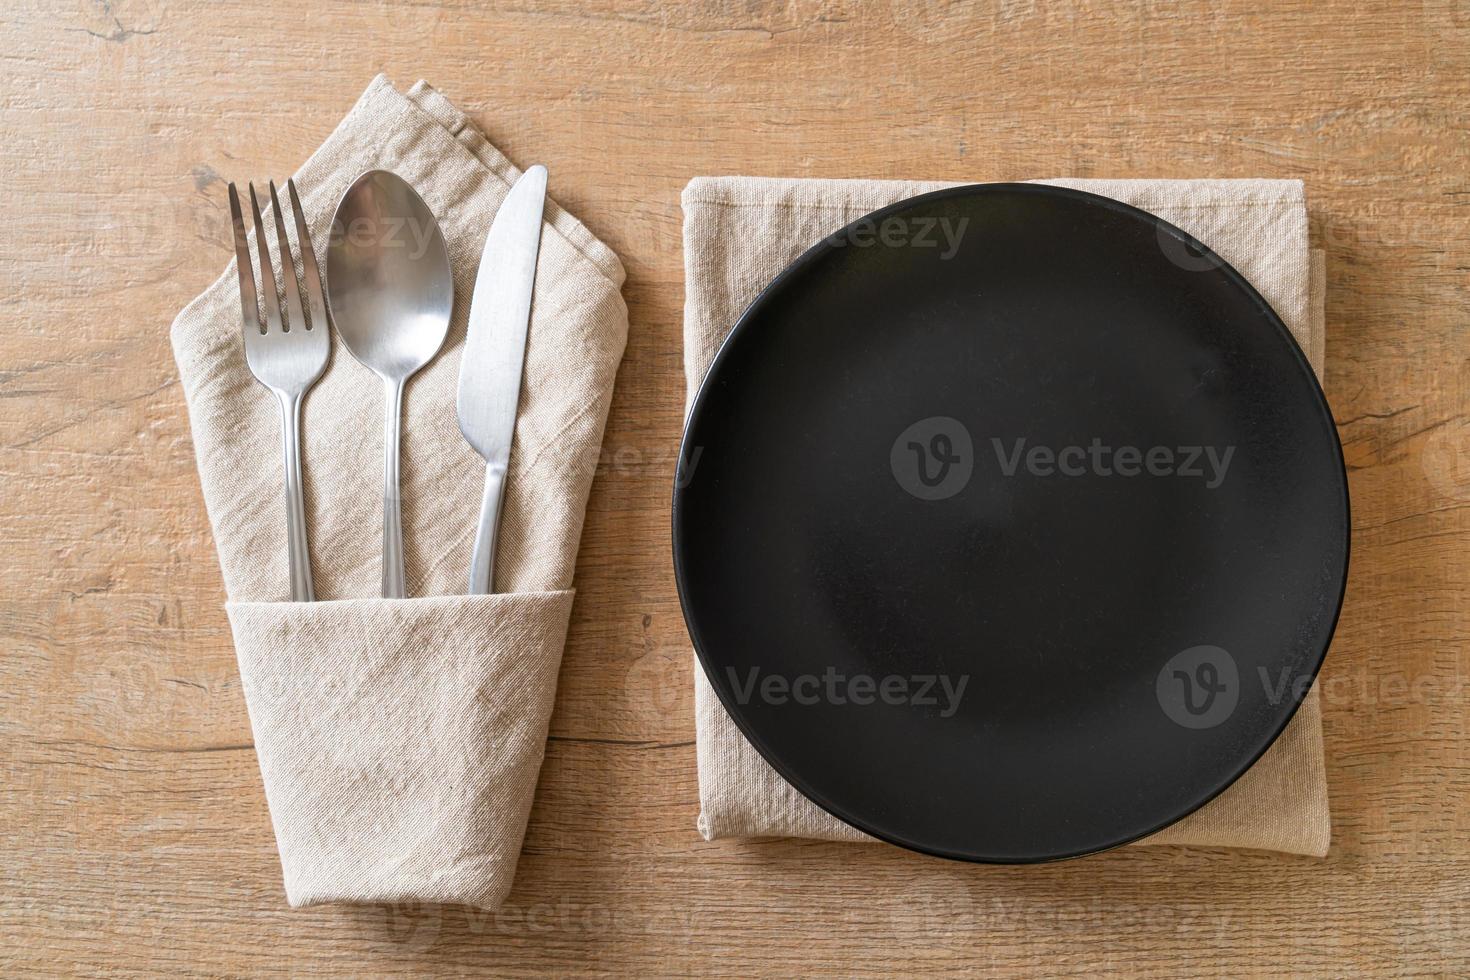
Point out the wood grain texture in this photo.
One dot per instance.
(135, 833)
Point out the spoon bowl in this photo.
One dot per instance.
(389, 285)
(390, 292)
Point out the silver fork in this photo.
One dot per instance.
(286, 355)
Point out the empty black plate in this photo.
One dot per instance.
(1011, 524)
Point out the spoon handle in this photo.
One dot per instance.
(482, 562)
(392, 512)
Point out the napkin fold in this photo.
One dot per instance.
(400, 739)
(740, 232)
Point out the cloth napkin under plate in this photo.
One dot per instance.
(740, 232)
(400, 739)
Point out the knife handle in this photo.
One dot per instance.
(482, 562)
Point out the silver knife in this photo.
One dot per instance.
(495, 350)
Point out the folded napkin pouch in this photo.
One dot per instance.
(400, 739)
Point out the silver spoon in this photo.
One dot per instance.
(390, 293)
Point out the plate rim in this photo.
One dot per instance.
(821, 248)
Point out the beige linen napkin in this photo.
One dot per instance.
(400, 740)
(739, 232)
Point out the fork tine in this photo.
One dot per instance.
(288, 267)
(272, 296)
(308, 261)
(249, 311)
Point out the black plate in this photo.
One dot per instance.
(1132, 631)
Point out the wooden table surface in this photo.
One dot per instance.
(135, 830)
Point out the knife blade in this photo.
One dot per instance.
(495, 352)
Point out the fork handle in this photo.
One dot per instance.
(300, 557)
(393, 587)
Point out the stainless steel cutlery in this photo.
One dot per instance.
(285, 353)
(390, 291)
(495, 350)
